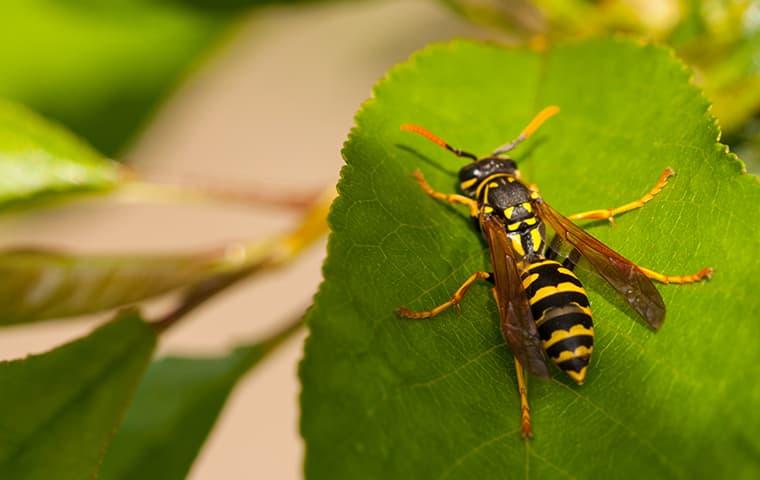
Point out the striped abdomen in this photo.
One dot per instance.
(561, 310)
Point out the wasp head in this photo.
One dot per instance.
(473, 173)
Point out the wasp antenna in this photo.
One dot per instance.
(534, 125)
(437, 140)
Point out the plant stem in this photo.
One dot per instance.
(254, 258)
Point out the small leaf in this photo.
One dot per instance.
(174, 410)
(60, 408)
(40, 285)
(39, 160)
(385, 397)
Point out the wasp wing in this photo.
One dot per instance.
(622, 274)
(517, 324)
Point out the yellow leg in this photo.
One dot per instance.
(522, 386)
(610, 213)
(446, 197)
(700, 275)
(452, 302)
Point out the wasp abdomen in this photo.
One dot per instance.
(561, 310)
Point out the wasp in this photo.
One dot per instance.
(543, 308)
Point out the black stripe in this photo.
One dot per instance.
(570, 344)
(575, 364)
(564, 322)
(558, 300)
(548, 276)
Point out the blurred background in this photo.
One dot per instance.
(252, 93)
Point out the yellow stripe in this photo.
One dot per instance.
(513, 226)
(468, 183)
(528, 207)
(487, 209)
(540, 264)
(581, 351)
(577, 376)
(509, 211)
(566, 271)
(543, 318)
(488, 180)
(586, 310)
(530, 221)
(517, 244)
(535, 237)
(559, 335)
(529, 279)
(563, 287)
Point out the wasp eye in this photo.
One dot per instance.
(469, 172)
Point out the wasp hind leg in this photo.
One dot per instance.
(611, 213)
(446, 197)
(522, 386)
(452, 302)
(678, 279)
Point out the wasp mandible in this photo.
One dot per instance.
(543, 308)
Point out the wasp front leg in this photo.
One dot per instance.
(446, 197)
(452, 302)
(611, 213)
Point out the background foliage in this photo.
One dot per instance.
(100, 67)
(719, 40)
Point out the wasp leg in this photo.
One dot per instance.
(446, 197)
(522, 386)
(679, 279)
(611, 213)
(452, 302)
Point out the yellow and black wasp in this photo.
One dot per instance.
(543, 308)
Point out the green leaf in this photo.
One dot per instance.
(385, 397)
(61, 408)
(40, 285)
(39, 160)
(174, 410)
(99, 67)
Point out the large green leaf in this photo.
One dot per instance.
(390, 398)
(61, 408)
(99, 66)
(38, 285)
(39, 160)
(174, 410)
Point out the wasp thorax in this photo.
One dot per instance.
(472, 174)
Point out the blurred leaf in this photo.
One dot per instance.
(721, 40)
(98, 66)
(175, 409)
(40, 285)
(39, 160)
(62, 407)
(390, 398)
(232, 4)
